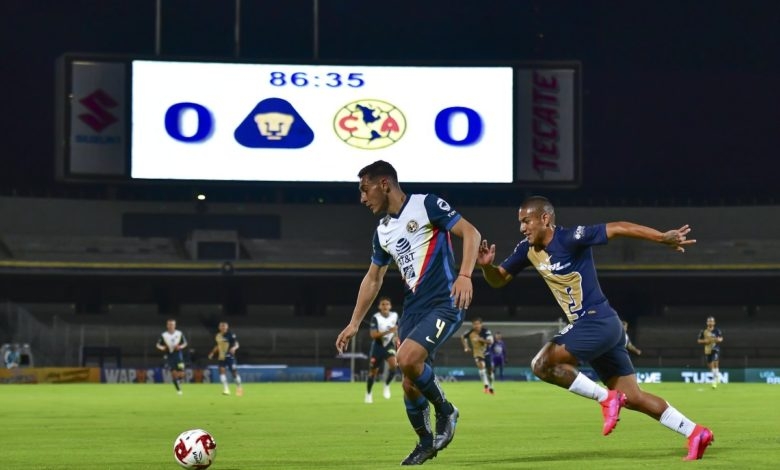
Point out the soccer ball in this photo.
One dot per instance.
(195, 449)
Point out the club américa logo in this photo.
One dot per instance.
(369, 124)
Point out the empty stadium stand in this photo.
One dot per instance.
(669, 340)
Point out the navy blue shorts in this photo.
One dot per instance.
(431, 329)
(713, 356)
(175, 360)
(228, 363)
(380, 353)
(598, 339)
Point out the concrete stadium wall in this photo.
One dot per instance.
(22, 216)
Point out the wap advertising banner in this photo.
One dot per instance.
(151, 375)
(320, 123)
(249, 373)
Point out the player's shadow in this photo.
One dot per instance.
(558, 456)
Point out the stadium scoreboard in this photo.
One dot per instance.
(148, 119)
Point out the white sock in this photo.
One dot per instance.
(676, 421)
(223, 379)
(483, 376)
(587, 388)
(238, 380)
(716, 375)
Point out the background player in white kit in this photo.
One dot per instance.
(383, 331)
(172, 342)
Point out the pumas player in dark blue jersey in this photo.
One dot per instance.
(595, 335)
(225, 350)
(479, 341)
(414, 232)
(711, 337)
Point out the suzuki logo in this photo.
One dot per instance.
(99, 118)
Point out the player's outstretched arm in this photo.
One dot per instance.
(677, 239)
(369, 288)
(494, 275)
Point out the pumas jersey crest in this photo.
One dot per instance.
(414, 239)
(566, 265)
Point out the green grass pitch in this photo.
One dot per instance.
(327, 426)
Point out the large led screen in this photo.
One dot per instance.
(320, 123)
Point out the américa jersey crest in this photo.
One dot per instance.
(418, 240)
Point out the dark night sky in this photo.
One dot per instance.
(681, 98)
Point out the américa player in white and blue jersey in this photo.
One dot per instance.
(384, 344)
(173, 343)
(415, 234)
(595, 335)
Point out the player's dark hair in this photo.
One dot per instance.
(382, 298)
(540, 203)
(379, 168)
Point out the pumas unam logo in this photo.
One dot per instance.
(274, 123)
(369, 124)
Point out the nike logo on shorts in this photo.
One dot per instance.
(428, 339)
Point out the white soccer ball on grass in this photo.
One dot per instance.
(195, 449)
